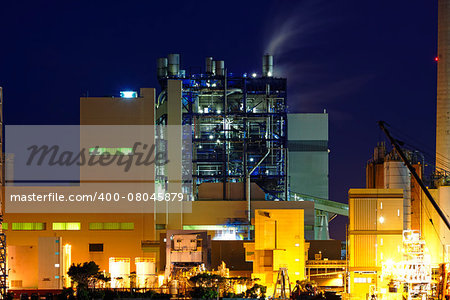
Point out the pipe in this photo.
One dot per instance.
(249, 185)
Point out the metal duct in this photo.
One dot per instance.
(173, 64)
(210, 65)
(162, 67)
(267, 65)
(220, 67)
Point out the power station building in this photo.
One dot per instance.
(237, 156)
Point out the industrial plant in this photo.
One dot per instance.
(243, 164)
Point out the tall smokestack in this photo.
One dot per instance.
(443, 87)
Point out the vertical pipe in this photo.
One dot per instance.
(210, 66)
(173, 67)
(162, 67)
(267, 65)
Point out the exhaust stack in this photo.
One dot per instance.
(173, 64)
(267, 65)
(220, 67)
(162, 67)
(210, 66)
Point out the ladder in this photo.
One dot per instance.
(282, 283)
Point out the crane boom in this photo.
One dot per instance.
(414, 173)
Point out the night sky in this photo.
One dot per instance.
(362, 61)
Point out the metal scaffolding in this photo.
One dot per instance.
(239, 126)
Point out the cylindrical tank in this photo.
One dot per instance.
(173, 64)
(210, 66)
(145, 269)
(397, 176)
(220, 67)
(162, 67)
(119, 268)
(267, 65)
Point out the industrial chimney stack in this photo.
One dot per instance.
(443, 88)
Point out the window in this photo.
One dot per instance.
(5, 226)
(110, 151)
(66, 226)
(28, 226)
(95, 247)
(111, 226)
(160, 226)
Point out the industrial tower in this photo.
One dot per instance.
(443, 89)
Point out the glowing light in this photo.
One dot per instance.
(219, 111)
(436, 58)
(381, 219)
(128, 94)
(252, 159)
(297, 245)
(254, 75)
(269, 74)
(211, 136)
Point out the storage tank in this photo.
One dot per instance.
(397, 176)
(173, 64)
(267, 66)
(145, 271)
(119, 268)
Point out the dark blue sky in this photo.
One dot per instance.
(363, 61)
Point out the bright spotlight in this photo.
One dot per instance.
(128, 94)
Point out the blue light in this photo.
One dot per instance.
(128, 94)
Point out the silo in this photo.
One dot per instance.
(397, 176)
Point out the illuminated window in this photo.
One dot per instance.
(5, 226)
(66, 226)
(95, 226)
(28, 226)
(110, 151)
(111, 226)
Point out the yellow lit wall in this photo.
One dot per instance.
(375, 236)
(279, 243)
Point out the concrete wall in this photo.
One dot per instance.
(308, 154)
